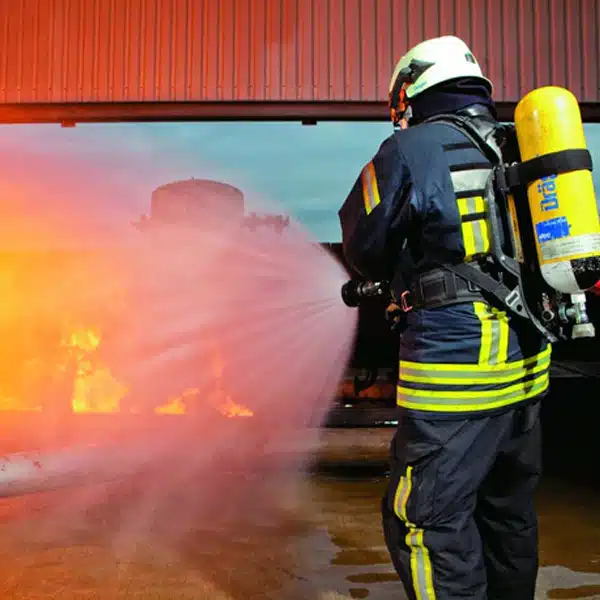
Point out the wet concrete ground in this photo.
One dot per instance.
(324, 543)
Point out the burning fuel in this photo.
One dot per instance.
(90, 385)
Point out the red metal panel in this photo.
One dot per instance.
(280, 50)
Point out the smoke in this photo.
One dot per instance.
(199, 359)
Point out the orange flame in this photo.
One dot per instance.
(49, 355)
(94, 389)
(231, 409)
(224, 404)
(173, 407)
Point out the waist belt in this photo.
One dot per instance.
(437, 288)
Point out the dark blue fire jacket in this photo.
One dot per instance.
(415, 193)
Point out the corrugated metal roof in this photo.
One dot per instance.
(274, 50)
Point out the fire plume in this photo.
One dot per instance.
(94, 389)
(50, 359)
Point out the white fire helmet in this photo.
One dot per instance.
(427, 64)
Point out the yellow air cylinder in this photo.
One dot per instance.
(563, 206)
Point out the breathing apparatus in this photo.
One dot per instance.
(542, 193)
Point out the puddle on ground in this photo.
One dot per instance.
(356, 556)
(348, 515)
(584, 591)
(327, 546)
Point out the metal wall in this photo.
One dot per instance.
(74, 51)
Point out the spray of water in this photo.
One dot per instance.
(219, 349)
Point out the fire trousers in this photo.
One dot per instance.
(458, 515)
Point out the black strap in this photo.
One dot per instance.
(464, 282)
(437, 288)
(555, 163)
(475, 130)
(504, 295)
(520, 174)
(476, 216)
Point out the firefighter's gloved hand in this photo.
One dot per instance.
(394, 315)
(392, 310)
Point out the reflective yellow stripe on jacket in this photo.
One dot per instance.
(494, 334)
(472, 387)
(370, 189)
(475, 228)
(468, 187)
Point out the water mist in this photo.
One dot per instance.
(223, 348)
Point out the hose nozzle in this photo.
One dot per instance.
(353, 292)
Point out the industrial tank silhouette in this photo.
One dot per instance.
(197, 202)
(205, 204)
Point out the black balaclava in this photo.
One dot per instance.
(450, 97)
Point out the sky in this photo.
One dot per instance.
(103, 174)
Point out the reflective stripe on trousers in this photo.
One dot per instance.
(420, 562)
(459, 514)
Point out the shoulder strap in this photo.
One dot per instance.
(519, 174)
(500, 292)
(479, 133)
(480, 136)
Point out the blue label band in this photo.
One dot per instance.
(553, 229)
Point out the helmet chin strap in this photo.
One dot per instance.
(401, 121)
(400, 110)
(406, 117)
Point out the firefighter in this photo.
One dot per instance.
(458, 515)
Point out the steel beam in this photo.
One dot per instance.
(308, 113)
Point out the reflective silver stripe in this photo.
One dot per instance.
(494, 334)
(495, 342)
(476, 226)
(471, 206)
(480, 245)
(420, 565)
(483, 377)
(466, 181)
(402, 494)
(475, 234)
(475, 368)
(459, 401)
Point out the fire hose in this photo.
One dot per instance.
(26, 473)
(354, 292)
(81, 465)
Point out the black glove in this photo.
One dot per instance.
(395, 316)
